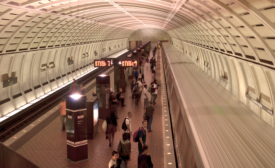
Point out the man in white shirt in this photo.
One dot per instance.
(114, 158)
(128, 123)
(145, 92)
(139, 83)
(155, 93)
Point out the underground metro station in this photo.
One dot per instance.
(137, 83)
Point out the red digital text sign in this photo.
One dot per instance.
(129, 63)
(102, 63)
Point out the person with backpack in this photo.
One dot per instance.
(154, 90)
(149, 112)
(124, 149)
(136, 74)
(140, 136)
(111, 127)
(136, 91)
(144, 160)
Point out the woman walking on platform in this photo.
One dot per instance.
(111, 127)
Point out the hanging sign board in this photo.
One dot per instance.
(102, 63)
(128, 63)
(259, 104)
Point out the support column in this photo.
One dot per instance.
(76, 128)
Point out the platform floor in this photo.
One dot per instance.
(48, 148)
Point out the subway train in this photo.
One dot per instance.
(211, 127)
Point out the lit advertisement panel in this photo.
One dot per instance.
(95, 113)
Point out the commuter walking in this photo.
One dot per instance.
(113, 103)
(154, 90)
(139, 83)
(142, 136)
(136, 74)
(120, 98)
(147, 62)
(124, 149)
(144, 160)
(63, 113)
(149, 112)
(142, 73)
(136, 91)
(153, 72)
(127, 125)
(114, 159)
(140, 60)
(150, 90)
(146, 100)
(111, 127)
(132, 87)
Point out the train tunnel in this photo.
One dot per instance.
(44, 44)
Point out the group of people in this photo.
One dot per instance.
(138, 89)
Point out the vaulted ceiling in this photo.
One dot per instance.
(243, 28)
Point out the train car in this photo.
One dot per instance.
(211, 127)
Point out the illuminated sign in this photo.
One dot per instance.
(102, 63)
(129, 63)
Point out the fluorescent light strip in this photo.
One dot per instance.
(40, 98)
(123, 10)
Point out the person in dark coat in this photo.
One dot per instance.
(111, 127)
(144, 160)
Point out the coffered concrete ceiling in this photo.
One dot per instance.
(242, 28)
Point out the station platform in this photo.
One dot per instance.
(48, 148)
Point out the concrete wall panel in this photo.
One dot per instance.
(39, 72)
(243, 77)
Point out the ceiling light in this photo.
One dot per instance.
(75, 96)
